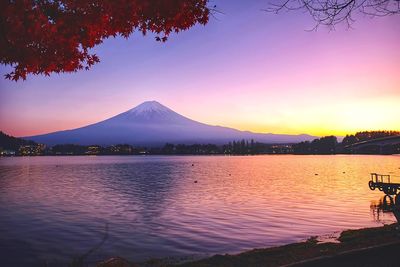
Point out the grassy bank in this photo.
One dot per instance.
(363, 247)
(298, 252)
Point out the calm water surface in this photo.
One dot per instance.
(55, 208)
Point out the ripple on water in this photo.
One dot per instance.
(53, 208)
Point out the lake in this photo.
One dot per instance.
(56, 208)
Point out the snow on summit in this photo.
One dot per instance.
(152, 112)
(149, 106)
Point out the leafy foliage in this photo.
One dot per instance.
(46, 36)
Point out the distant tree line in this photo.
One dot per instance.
(330, 145)
(367, 135)
(237, 147)
(246, 147)
(10, 146)
(182, 149)
(324, 145)
(240, 147)
(71, 149)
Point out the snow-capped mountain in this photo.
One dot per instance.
(153, 124)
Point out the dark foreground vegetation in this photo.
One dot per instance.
(11, 146)
(365, 247)
(300, 252)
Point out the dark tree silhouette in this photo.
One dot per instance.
(13, 143)
(323, 145)
(331, 12)
(53, 36)
(367, 135)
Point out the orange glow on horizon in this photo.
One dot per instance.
(318, 83)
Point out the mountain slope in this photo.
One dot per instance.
(153, 124)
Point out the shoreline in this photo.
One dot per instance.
(354, 247)
(189, 155)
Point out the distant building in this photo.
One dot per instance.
(31, 150)
(121, 149)
(93, 150)
(281, 149)
(7, 152)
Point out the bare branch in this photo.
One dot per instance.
(332, 12)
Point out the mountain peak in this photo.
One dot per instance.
(150, 106)
(152, 112)
(152, 123)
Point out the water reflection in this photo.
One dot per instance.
(56, 207)
(382, 210)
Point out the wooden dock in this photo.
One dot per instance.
(382, 182)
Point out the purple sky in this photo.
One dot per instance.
(246, 69)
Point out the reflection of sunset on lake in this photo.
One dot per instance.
(148, 201)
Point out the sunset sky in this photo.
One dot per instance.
(245, 69)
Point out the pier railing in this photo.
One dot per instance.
(380, 178)
(383, 183)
